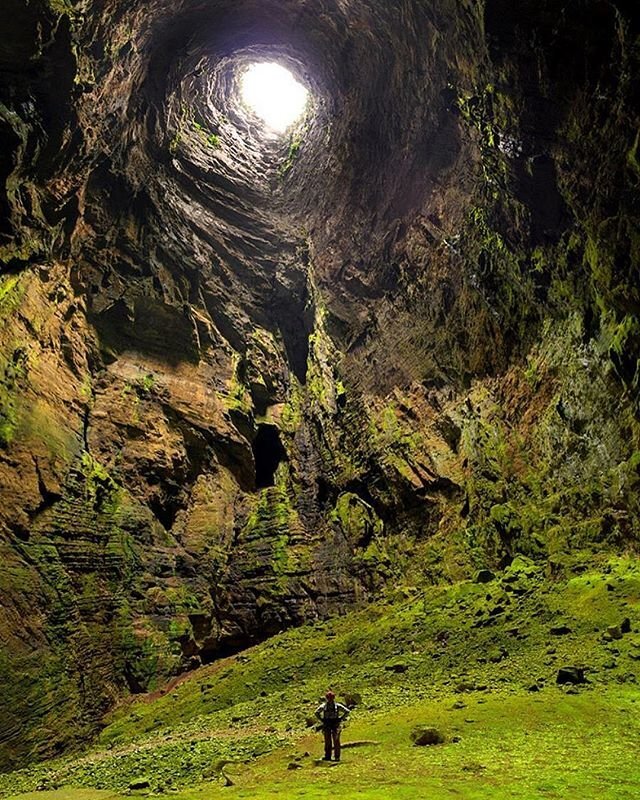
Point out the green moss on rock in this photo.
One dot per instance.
(12, 372)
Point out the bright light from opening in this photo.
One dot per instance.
(274, 94)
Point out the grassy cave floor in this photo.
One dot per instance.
(476, 661)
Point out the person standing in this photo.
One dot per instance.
(332, 715)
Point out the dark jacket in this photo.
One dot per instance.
(332, 713)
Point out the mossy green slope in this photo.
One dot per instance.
(477, 661)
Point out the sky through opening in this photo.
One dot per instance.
(272, 93)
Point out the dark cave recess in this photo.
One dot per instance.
(268, 453)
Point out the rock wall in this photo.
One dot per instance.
(248, 381)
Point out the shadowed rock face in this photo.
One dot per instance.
(249, 380)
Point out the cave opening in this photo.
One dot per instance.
(272, 92)
(268, 453)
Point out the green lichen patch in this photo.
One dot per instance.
(62, 7)
(12, 290)
(237, 396)
(292, 155)
(100, 487)
(210, 138)
(12, 372)
(38, 423)
(357, 520)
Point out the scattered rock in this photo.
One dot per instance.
(294, 765)
(496, 654)
(459, 704)
(142, 783)
(614, 631)
(426, 736)
(473, 767)
(571, 675)
(560, 630)
(465, 686)
(227, 780)
(520, 576)
(352, 699)
(397, 666)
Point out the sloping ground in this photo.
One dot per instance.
(478, 661)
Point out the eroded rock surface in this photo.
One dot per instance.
(247, 381)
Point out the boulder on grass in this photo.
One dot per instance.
(484, 576)
(572, 675)
(560, 630)
(422, 736)
(614, 631)
(352, 699)
(141, 783)
(397, 666)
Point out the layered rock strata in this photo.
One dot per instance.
(247, 380)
